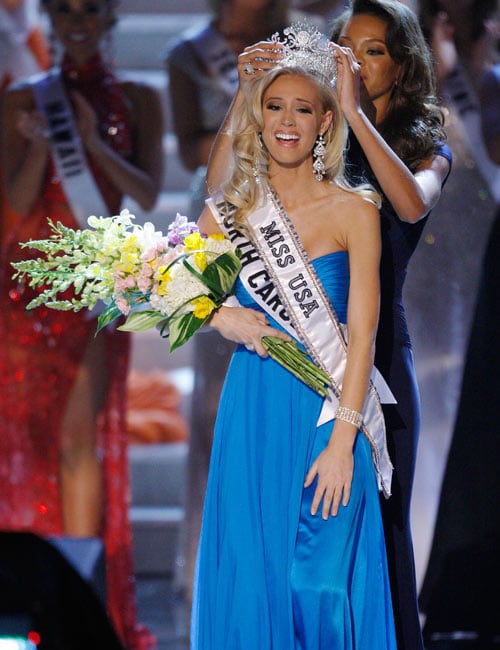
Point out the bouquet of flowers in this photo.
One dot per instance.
(172, 282)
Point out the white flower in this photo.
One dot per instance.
(183, 288)
(218, 246)
(148, 237)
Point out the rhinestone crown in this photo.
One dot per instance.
(306, 47)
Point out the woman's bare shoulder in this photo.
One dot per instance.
(350, 204)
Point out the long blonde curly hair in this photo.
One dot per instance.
(250, 173)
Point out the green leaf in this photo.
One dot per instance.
(220, 275)
(181, 329)
(141, 321)
(106, 317)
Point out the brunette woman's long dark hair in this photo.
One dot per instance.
(413, 125)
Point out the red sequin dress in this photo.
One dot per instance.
(40, 353)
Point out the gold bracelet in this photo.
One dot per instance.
(349, 415)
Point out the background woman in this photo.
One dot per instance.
(63, 462)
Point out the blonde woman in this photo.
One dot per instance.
(292, 550)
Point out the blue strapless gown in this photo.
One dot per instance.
(269, 575)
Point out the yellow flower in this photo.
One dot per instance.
(127, 262)
(203, 307)
(164, 276)
(130, 243)
(194, 242)
(129, 255)
(200, 259)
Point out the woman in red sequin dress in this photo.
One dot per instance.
(63, 460)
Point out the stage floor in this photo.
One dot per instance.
(165, 613)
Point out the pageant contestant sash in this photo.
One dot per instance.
(66, 147)
(281, 279)
(218, 58)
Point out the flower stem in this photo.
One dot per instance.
(296, 361)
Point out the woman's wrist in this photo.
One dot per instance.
(215, 317)
(346, 414)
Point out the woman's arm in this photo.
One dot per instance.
(141, 180)
(25, 149)
(194, 142)
(412, 195)
(364, 247)
(221, 154)
(335, 465)
(262, 57)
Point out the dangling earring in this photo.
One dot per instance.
(319, 152)
(255, 170)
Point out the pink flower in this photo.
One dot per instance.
(149, 255)
(168, 257)
(122, 284)
(123, 305)
(144, 280)
(154, 251)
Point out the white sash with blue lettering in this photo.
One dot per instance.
(279, 276)
(67, 150)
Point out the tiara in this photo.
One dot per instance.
(306, 47)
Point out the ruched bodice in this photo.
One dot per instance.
(334, 272)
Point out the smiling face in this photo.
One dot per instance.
(293, 116)
(80, 25)
(365, 36)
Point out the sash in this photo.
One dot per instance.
(67, 150)
(278, 275)
(218, 58)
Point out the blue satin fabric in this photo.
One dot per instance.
(269, 575)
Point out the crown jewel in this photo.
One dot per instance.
(306, 47)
